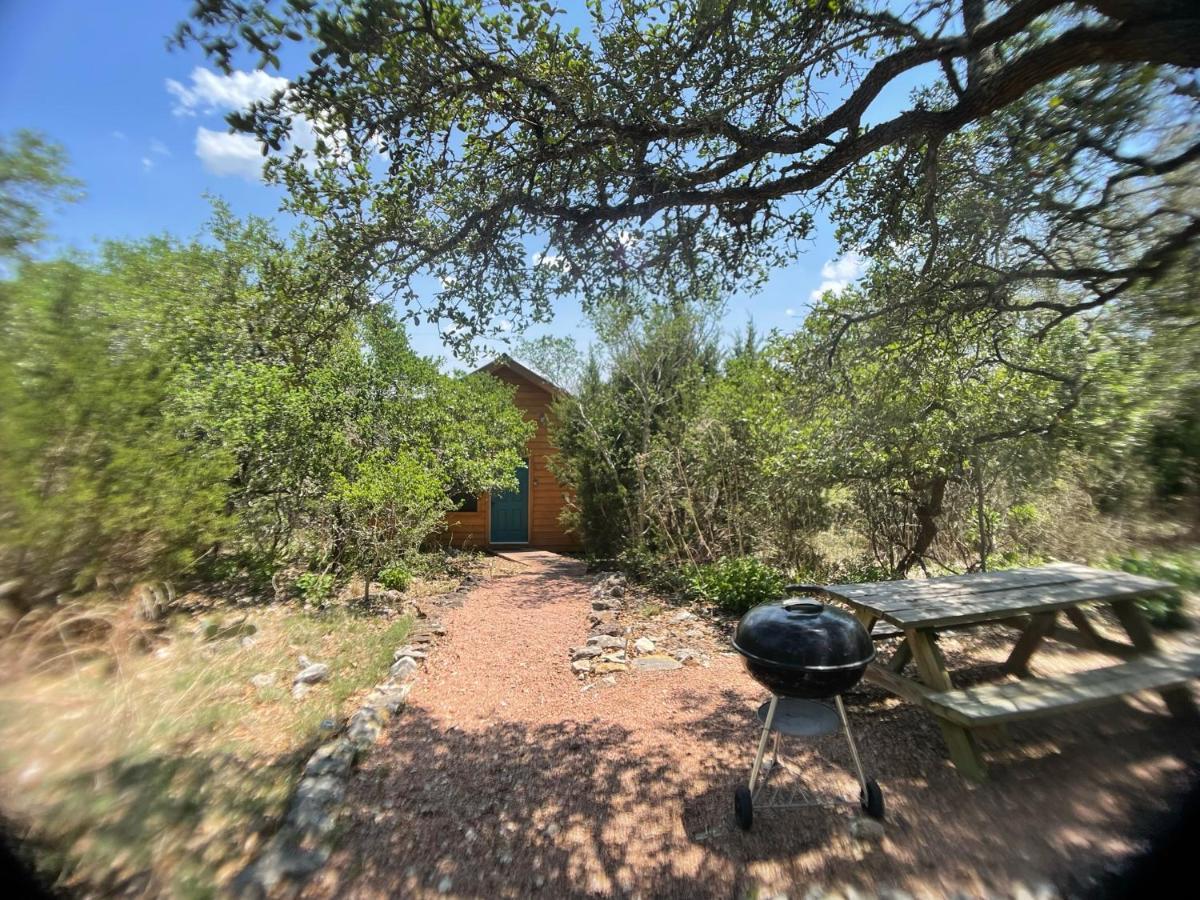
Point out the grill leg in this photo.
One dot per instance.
(762, 742)
(862, 778)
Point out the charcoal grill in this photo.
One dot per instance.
(803, 651)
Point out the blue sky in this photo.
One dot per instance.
(144, 130)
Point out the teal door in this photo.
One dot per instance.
(510, 512)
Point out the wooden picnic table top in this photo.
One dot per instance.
(988, 596)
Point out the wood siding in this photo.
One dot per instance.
(546, 496)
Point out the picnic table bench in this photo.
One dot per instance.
(1030, 601)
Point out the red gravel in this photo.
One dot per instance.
(504, 779)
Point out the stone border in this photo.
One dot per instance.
(305, 839)
(613, 646)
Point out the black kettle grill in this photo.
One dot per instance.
(802, 651)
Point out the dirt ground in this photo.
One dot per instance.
(504, 778)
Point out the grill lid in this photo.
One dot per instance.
(803, 633)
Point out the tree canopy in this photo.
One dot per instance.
(692, 141)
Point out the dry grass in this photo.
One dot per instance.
(162, 772)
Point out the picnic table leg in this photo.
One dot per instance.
(1178, 699)
(932, 667)
(1039, 627)
(901, 658)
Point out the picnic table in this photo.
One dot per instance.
(1030, 601)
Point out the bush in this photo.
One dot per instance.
(315, 587)
(1164, 610)
(395, 577)
(735, 583)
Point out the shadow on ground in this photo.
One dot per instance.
(586, 808)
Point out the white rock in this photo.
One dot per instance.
(866, 829)
(644, 645)
(404, 667)
(410, 651)
(589, 652)
(581, 667)
(655, 664)
(682, 616)
(311, 673)
(264, 679)
(445, 885)
(606, 642)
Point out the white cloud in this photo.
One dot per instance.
(504, 325)
(790, 313)
(550, 261)
(838, 274)
(157, 146)
(147, 163)
(210, 92)
(119, 135)
(229, 154)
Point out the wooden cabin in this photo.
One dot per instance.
(528, 517)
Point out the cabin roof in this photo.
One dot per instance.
(504, 361)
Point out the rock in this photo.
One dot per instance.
(247, 642)
(604, 668)
(403, 668)
(688, 656)
(613, 656)
(589, 652)
(682, 616)
(655, 664)
(300, 690)
(332, 758)
(389, 696)
(365, 727)
(581, 667)
(867, 829)
(603, 617)
(264, 679)
(311, 673)
(610, 628)
(606, 642)
(606, 603)
(409, 651)
(610, 586)
(610, 680)
(643, 645)
(445, 885)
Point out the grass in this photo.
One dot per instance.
(163, 772)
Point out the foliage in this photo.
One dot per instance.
(395, 577)
(614, 430)
(1181, 568)
(735, 583)
(687, 142)
(388, 506)
(170, 402)
(32, 175)
(314, 588)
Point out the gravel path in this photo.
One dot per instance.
(504, 779)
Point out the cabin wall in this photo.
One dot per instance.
(546, 496)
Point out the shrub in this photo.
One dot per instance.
(735, 583)
(314, 587)
(395, 577)
(1164, 610)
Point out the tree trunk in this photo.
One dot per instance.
(929, 507)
